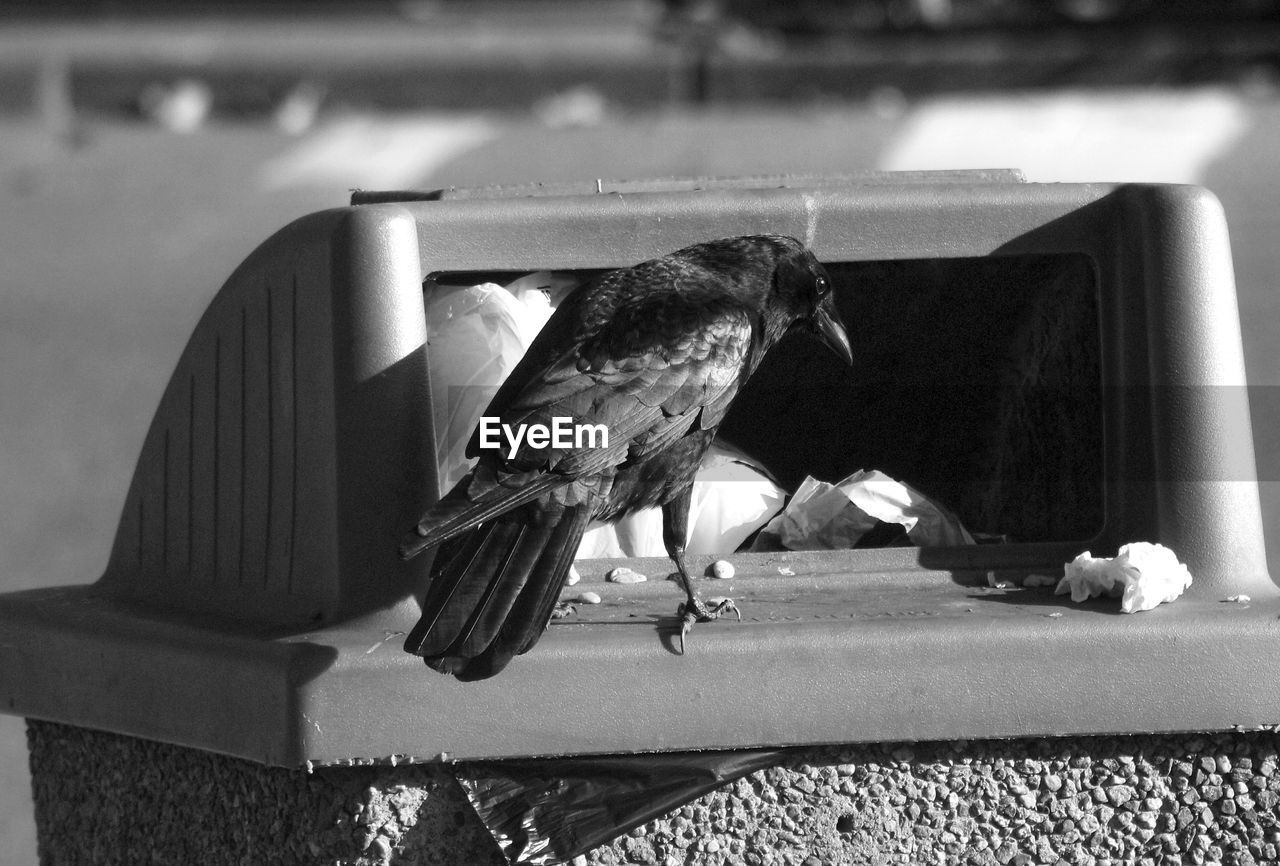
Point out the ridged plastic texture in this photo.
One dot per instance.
(289, 446)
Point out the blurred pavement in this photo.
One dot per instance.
(115, 235)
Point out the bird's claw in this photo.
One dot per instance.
(698, 611)
(563, 609)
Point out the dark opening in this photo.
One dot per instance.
(975, 380)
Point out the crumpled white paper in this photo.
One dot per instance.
(1143, 575)
(824, 516)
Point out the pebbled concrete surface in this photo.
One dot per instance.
(1097, 800)
(1155, 799)
(156, 803)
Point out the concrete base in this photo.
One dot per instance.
(104, 798)
(1191, 798)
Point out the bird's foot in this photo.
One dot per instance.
(696, 610)
(563, 609)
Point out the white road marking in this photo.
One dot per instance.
(377, 152)
(1126, 136)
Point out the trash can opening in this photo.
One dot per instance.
(976, 381)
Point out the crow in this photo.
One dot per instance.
(655, 353)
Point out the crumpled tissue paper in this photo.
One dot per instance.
(1143, 575)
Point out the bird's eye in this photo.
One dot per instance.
(822, 286)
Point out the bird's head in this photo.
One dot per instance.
(802, 291)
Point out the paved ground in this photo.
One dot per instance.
(114, 238)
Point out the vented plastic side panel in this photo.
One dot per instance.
(237, 503)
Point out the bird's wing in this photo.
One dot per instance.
(645, 376)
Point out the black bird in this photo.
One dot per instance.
(655, 353)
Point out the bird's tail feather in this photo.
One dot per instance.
(472, 568)
(455, 514)
(493, 592)
(533, 607)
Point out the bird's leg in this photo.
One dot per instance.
(675, 531)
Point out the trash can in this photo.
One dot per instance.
(1058, 363)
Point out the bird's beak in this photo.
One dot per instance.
(830, 330)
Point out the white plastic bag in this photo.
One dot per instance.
(474, 340)
(733, 496)
(475, 337)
